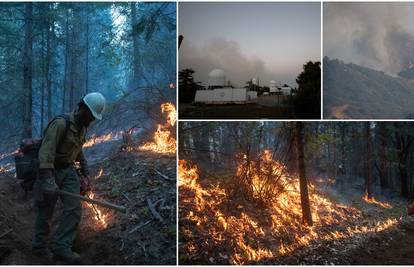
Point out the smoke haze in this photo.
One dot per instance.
(268, 41)
(374, 35)
(226, 55)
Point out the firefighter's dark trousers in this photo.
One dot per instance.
(64, 236)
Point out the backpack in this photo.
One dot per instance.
(27, 159)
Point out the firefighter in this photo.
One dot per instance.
(61, 147)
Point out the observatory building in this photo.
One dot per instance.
(276, 87)
(216, 79)
(219, 93)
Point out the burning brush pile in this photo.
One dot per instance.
(218, 227)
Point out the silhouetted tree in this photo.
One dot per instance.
(187, 86)
(307, 103)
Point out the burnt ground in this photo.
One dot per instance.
(234, 111)
(393, 245)
(132, 179)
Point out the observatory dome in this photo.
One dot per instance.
(217, 78)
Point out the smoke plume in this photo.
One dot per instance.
(227, 55)
(375, 35)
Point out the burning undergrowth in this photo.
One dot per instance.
(163, 140)
(218, 226)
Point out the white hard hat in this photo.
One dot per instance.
(96, 104)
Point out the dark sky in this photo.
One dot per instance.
(269, 41)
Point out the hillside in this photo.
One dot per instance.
(352, 91)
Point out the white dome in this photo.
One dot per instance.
(217, 78)
(254, 81)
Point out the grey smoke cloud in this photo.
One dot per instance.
(375, 35)
(227, 55)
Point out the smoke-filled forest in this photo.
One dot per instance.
(51, 55)
(295, 192)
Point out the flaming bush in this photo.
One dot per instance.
(163, 141)
(239, 232)
(262, 179)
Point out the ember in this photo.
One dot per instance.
(163, 141)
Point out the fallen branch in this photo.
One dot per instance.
(125, 196)
(153, 211)
(163, 175)
(139, 226)
(143, 248)
(6, 233)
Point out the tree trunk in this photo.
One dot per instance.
(72, 68)
(28, 69)
(381, 156)
(135, 45)
(304, 195)
(50, 26)
(87, 54)
(368, 176)
(343, 155)
(43, 85)
(67, 49)
(404, 180)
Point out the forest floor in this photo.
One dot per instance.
(134, 179)
(234, 111)
(218, 228)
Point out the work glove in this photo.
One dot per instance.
(85, 185)
(47, 182)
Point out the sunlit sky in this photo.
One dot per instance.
(274, 39)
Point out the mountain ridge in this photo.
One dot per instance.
(354, 92)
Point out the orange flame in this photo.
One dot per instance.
(202, 205)
(100, 217)
(99, 174)
(187, 175)
(94, 140)
(163, 142)
(372, 200)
